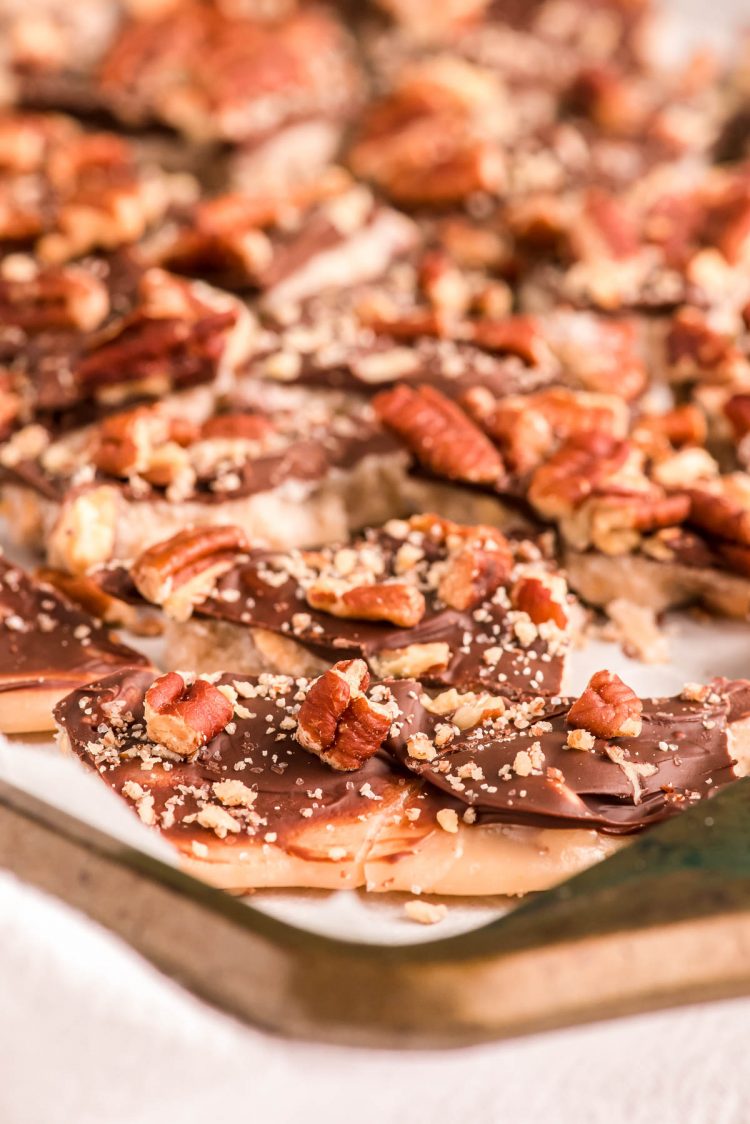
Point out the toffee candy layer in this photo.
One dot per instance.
(48, 647)
(253, 809)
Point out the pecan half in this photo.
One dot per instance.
(396, 602)
(684, 425)
(719, 514)
(528, 427)
(440, 434)
(53, 297)
(183, 571)
(171, 338)
(608, 708)
(184, 718)
(338, 722)
(534, 597)
(575, 471)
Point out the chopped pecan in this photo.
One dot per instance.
(52, 297)
(515, 335)
(338, 722)
(184, 718)
(534, 597)
(720, 514)
(473, 572)
(237, 427)
(85, 532)
(143, 441)
(608, 708)
(440, 434)
(183, 571)
(396, 602)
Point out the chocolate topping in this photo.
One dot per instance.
(47, 642)
(515, 768)
(519, 768)
(294, 789)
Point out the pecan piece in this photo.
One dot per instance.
(475, 571)
(608, 708)
(719, 515)
(184, 718)
(237, 427)
(39, 299)
(338, 722)
(575, 471)
(396, 602)
(535, 598)
(183, 571)
(144, 442)
(440, 434)
(516, 335)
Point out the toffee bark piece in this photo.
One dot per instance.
(254, 809)
(213, 75)
(286, 476)
(66, 192)
(80, 340)
(529, 764)
(455, 605)
(290, 246)
(49, 647)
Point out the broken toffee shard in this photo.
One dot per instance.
(340, 782)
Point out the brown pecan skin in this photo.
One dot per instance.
(338, 722)
(719, 515)
(395, 602)
(184, 718)
(440, 434)
(533, 597)
(473, 574)
(184, 558)
(608, 708)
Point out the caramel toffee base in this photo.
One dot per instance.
(599, 579)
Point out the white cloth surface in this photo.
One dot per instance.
(91, 1034)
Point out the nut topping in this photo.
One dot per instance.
(396, 602)
(338, 722)
(181, 572)
(534, 597)
(608, 708)
(440, 435)
(184, 718)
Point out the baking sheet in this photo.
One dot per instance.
(700, 649)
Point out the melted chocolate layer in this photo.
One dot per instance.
(47, 642)
(294, 790)
(681, 756)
